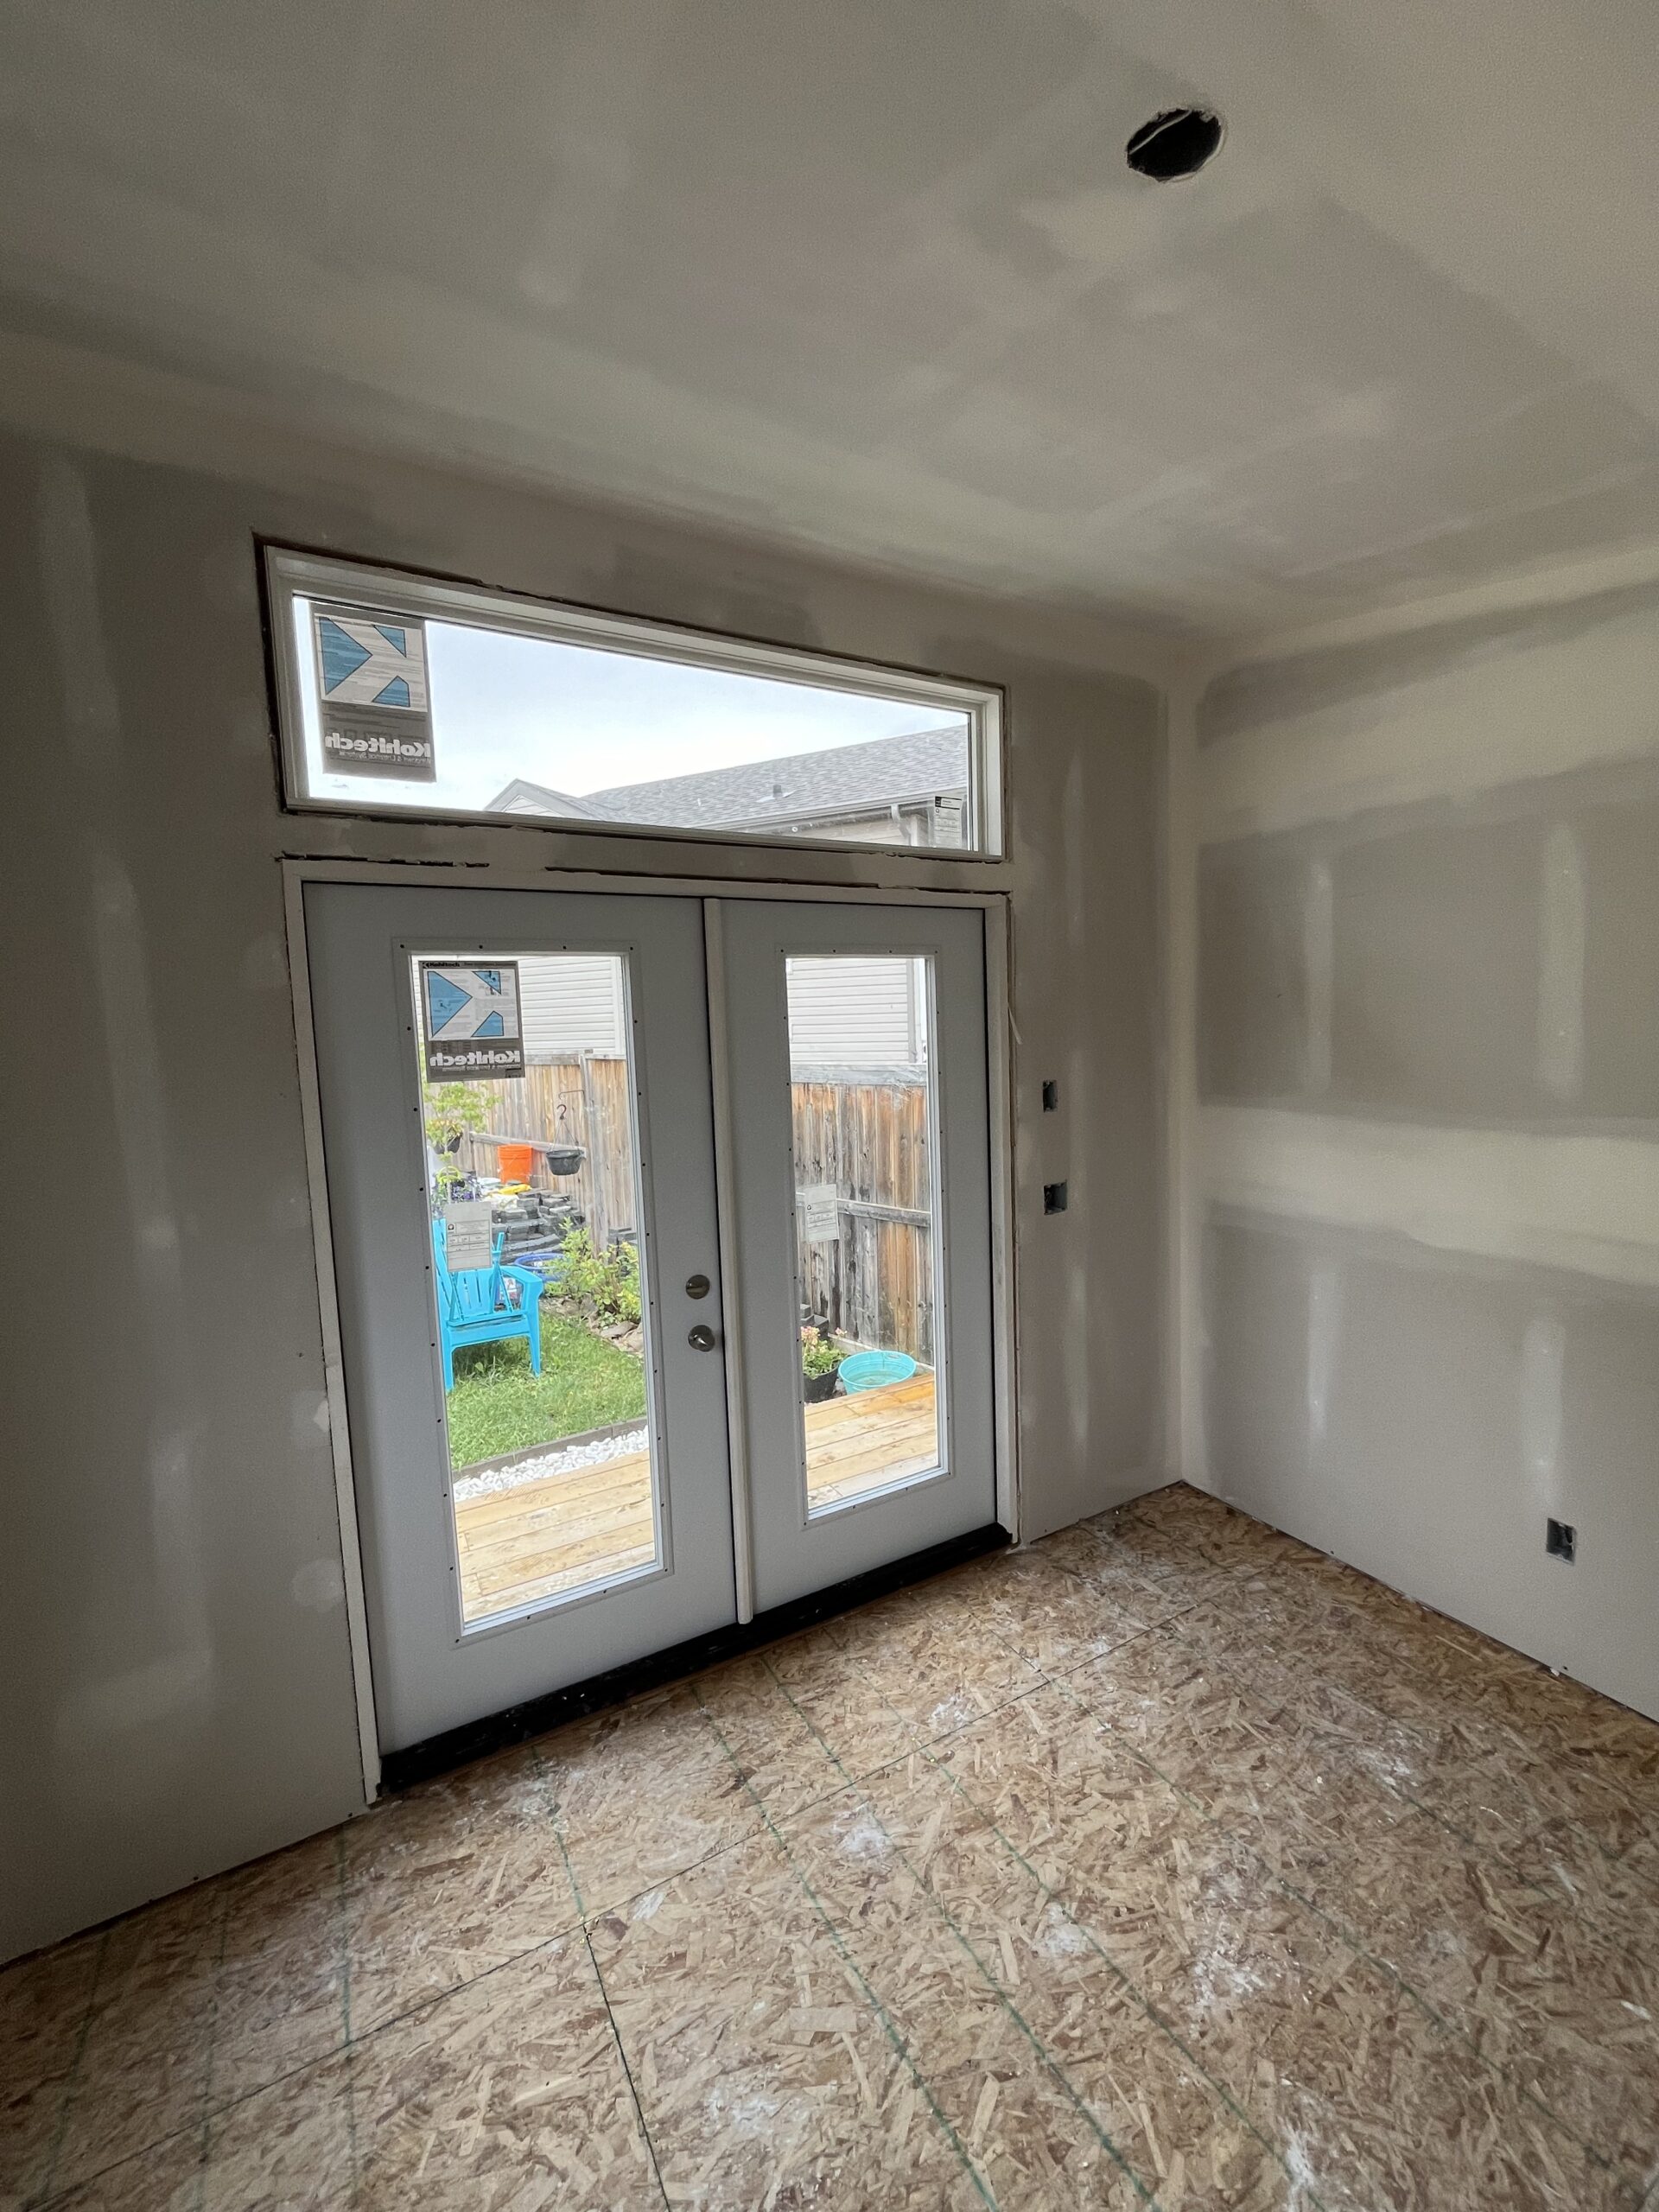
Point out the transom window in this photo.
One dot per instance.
(399, 694)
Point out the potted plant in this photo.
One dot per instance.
(821, 1358)
(454, 1110)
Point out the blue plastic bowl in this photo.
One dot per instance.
(873, 1370)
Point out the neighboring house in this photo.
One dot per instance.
(847, 1012)
(890, 791)
(571, 1003)
(842, 1013)
(910, 790)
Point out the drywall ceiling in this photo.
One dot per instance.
(875, 277)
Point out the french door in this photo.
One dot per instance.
(859, 1114)
(573, 1443)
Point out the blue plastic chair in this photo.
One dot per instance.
(473, 1307)
(873, 1370)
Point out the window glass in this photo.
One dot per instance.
(532, 1194)
(402, 696)
(866, 1222)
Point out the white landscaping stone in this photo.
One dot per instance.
(535, 1470)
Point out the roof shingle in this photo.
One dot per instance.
(841, 779)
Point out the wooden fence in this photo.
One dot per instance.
(867, 1139)
(583, 1101)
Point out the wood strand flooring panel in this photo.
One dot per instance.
(939, 1907)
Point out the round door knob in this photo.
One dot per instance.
(701, 1338)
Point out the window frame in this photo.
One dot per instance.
(288, 572)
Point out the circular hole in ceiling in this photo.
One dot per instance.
(1177, 142)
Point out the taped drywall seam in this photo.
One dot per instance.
(1186, 1456)
(1512, 718)
(1556, 1199)
(1319, 962)
(100, 1716)
(1543, 1371)
(1560, 966)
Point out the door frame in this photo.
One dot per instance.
(299, 870)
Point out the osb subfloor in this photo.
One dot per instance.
(1169, 1864)
(518, 1545)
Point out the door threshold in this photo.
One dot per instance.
(517, 1724)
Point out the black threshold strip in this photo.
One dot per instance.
(517, 1724)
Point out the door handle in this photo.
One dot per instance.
(701, 1338)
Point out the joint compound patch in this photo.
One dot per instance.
(319, 1586)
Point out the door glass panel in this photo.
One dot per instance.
(532, 1189)
(866, 1221)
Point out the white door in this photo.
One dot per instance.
(522, 1530)
(518, 1139)
(860, 1107)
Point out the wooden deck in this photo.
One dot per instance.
(517, 1546)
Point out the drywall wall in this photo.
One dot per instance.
(174, 1654)
(1426, 1158)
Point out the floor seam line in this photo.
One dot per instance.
(1350, 1937)
(944, 1736)
(1025, 2027)
(1418, 1680)
(49, 2170)
(1355, 1938)
(628, 2070)
(895, 2039)
(1140, 1998)
(204, 2122)
(850, 1778)
(833, 1756)
(556, 1822)
(555, 1819)
(428, 2003)
(343, 1895)
(1466, 1837)
(1441, 1819)
(1052, 2065)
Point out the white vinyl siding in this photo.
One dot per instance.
(858, 1012)
(855, 1012)
(572, 1003)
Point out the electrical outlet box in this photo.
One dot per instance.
(1051, 1097)
(1053, 1198)
(1561, 1540)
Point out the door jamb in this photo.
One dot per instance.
(731, 1287)
(333, 1362)
(298, 870)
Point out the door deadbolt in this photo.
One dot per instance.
(701, 1338)
(696, 1286)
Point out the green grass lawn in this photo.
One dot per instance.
(498, 1406)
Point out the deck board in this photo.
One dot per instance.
(564, 1531)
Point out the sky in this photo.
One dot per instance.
(581, 721)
